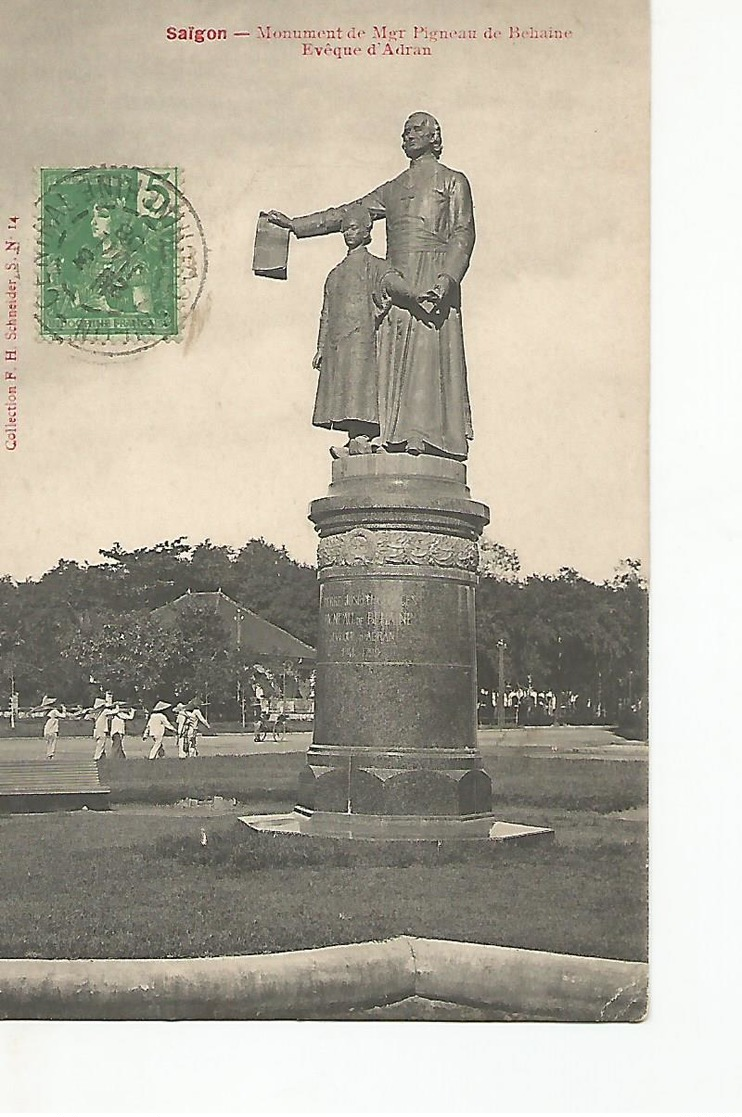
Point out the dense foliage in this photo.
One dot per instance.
(79, 623)
(567, 635)
(83, 626)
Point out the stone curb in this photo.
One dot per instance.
(530, 982)
(305, 984)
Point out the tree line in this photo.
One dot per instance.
(81, 627)
(560, 633)
(566, 635)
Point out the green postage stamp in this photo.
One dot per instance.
(122, 257)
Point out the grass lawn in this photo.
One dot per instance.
(550, 782)
(270, 779)
(136, 882)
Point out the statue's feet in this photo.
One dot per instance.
(339, 452)
(415, 446)
(361, 444)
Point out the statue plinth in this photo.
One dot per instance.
(395, 695)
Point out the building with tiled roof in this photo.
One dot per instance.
(246, 629)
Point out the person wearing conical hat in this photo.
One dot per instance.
(118, 732)
(102, 727)
(51, 727)
(157, 724)
(194, 718)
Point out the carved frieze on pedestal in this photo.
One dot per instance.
(362, 547)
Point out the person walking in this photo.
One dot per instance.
(182, 726)
(262, 724)
(102, 727)
(194, 718)
(118, 732)
(51, 729)
(156, 726)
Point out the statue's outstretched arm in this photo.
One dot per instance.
(330, 220)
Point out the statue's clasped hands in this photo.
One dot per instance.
(438, 296)
(432, 302)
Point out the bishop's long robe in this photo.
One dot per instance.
(422, 387)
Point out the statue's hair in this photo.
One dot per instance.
(361, 214)
(435, 128)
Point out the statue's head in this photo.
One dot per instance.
(420, 135)
(356, 225)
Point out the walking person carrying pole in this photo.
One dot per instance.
(156, 726)
(182, 724)
(195, 718)
(102, 727)
(118, 732)
(51, 729)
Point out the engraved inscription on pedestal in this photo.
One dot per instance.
(360, 625)
(395, 662)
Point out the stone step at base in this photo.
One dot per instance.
(397, 828)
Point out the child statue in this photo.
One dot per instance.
(357, 296)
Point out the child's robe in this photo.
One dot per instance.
(353, 306)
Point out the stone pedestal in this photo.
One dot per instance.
(396, 698)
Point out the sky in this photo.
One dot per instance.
(211, 436)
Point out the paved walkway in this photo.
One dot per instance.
(566, 741)
(222, 744)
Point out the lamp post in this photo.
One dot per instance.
(13, 699)
(501, 645)
(558, 709)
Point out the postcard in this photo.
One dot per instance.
(324, 474)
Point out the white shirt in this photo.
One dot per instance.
(52, 722)
(157, 724)
(118, 722)
(101, 724)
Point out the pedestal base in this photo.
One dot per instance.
(395, 693)
(428, 782)
(399, 828)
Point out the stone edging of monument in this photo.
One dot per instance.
(309, 984)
